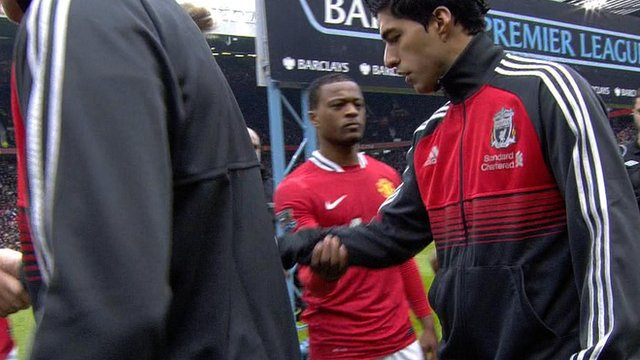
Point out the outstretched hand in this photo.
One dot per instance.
(428, 340)
(329, 258)
(13, 296)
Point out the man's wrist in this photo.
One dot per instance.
(426, 322)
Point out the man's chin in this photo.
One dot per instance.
(423, 89)
(350, 141)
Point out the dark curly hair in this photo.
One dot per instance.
(469, 13)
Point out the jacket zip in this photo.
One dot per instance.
(463, 264)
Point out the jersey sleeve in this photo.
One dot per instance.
(293, 206)
(294, 211)
(603, 219)
(409, 272)
(100, 180)
(414, 289)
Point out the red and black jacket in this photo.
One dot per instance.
(519, 183)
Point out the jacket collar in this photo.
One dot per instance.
(472, 69)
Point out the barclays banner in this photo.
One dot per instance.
(231, 17)
(307, 38)
(603, 47)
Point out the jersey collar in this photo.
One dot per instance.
(325, 164)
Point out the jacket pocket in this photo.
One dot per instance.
(528, 311)
(499, 318)
(442, 300)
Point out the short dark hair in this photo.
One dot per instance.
(469, 13)
(317, 84)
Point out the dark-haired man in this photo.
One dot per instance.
(364, 314)
(142, 191)
(519, 183)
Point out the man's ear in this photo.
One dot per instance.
(313, 118)
(443, 21)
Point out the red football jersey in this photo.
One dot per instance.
(365, 314)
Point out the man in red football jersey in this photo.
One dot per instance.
(364, 314)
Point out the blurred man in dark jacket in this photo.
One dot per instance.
(143, 194)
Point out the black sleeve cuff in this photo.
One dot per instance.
(297, 247)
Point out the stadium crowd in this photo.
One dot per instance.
(8, 225)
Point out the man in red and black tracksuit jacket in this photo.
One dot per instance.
(142, 195)
(519, 183)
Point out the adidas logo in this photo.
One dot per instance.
(433, 157)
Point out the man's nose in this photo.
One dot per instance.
(352, 110)
(391, 59)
